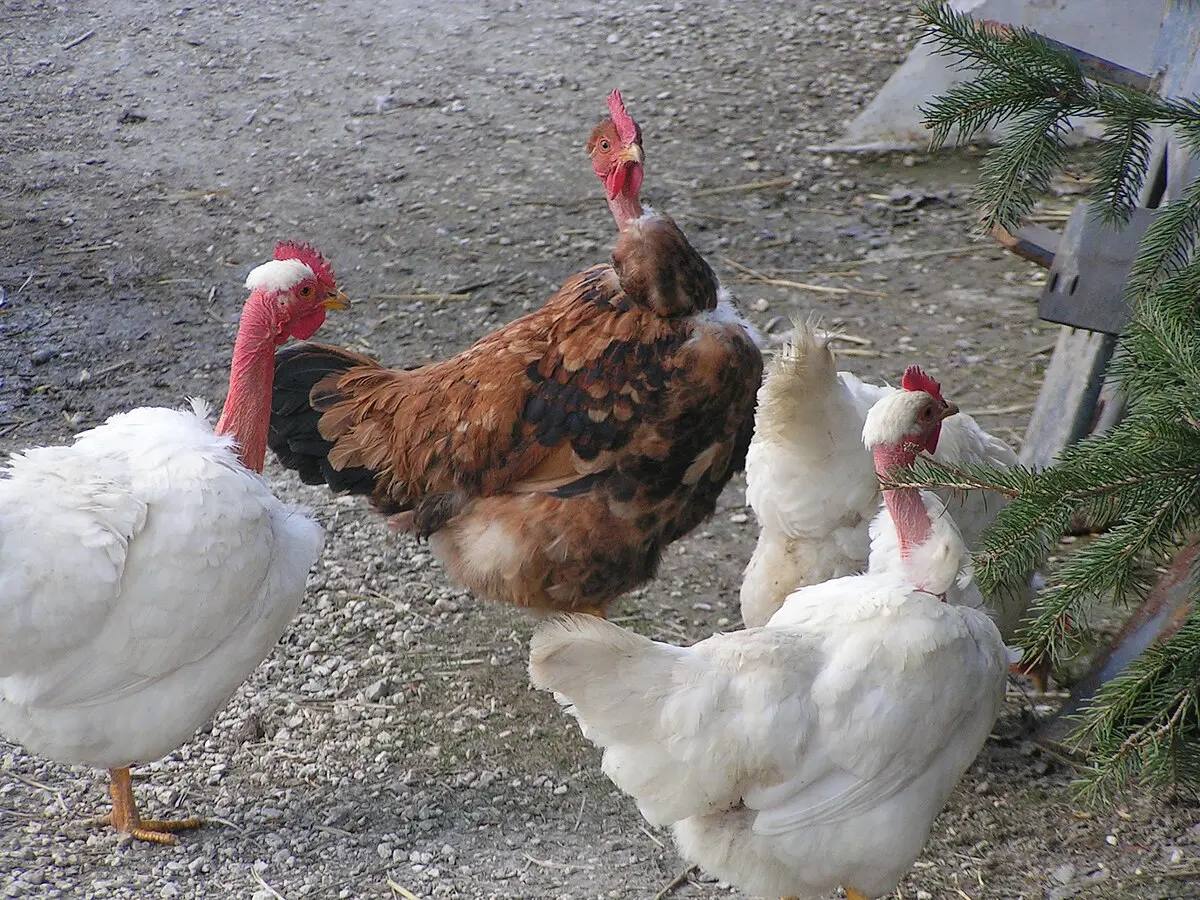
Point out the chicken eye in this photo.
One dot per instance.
(306, 291)
(605, 146)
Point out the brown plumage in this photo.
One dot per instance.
(551, 462)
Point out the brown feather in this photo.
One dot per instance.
(552, 461)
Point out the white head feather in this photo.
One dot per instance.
(893, 417)
(278, 275)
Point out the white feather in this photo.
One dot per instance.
(144, 573)
(791, 759)
(278, 275)
(812, 485)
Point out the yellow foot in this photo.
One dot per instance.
(158, 831)
(124, 816)
(852, 894)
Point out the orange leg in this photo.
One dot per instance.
(1038, 673)
(124, 815)
(852, 894)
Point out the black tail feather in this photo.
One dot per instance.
(293, 436)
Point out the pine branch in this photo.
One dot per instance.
(1144, 725)
(1142, 477)
(1121, 168)
(1018, 171)
(1168, 243)
(1113, 565)
(929, 473)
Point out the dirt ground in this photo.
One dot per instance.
(151, 153)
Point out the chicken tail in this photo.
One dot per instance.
(608, 674)
(305, 386)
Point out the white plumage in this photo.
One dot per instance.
(144, 573)
(810, 753)
(812, 484)
(147, 569)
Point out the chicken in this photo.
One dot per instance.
(551, 462)
(814, 751)
(813, 486)
(146, 569)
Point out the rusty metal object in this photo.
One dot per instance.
(1166, 608)
(1032, 242)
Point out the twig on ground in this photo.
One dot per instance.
(419, 297)
(650, 834)
(551, 864)
(261, 882)
(746, 187)
(1000, 410)
(79, 40)
(400, 890)
(678, 881)
(758, 277)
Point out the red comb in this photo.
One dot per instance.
(307, 254)
(627, 129)
(916, 380)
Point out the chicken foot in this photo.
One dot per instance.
(124, 816)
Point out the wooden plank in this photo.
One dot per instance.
(1066, 406)
(1085, 287)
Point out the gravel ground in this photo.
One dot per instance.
(390, 746)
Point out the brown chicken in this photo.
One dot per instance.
(550, 463)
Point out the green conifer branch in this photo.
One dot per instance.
(1142, 477)
(1144, 725)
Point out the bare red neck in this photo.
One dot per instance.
(625, 208)
(247, 412)
(905, 505)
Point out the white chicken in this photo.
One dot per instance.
(812, 484)
(815, 751)
(147, 569)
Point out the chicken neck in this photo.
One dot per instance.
(906, 506)
(626, 206)
(247, 412)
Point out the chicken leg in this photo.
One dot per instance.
(852, 894)
(124, 816)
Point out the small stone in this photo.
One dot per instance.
(924, 895)
(377, 690)
(43, 355)
(251, 730)
(739, 518)
(1063, 874)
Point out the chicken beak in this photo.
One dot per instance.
(336, 300)
(950, 410)
(633, 154)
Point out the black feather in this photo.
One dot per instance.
(294, 436)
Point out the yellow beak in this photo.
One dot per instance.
(950, 410)
(633, 153)
(336, 300)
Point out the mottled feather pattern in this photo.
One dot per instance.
(658, 265)
(576, 440)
